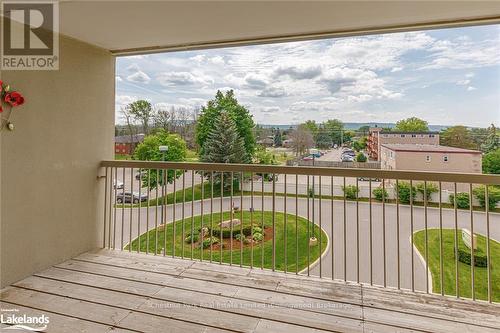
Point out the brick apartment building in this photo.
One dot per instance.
(378, 137)
(125, 144)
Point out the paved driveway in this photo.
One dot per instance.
(332, 221)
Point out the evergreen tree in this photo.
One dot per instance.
(224, 145)
(278, 140)
(239, 114)
(492, 142)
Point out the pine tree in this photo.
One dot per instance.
(492, 142)
(224, 145)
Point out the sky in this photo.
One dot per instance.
(446, 77)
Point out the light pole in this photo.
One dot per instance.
(163, 150)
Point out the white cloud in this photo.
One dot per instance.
(182, 79)
(271, 109)
(299, 72)
(471, 88)
(139, 77)
(463, 82)
(273, 92)
(396, 69)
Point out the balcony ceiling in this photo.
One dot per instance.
(137, 27)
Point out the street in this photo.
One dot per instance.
(332, 222)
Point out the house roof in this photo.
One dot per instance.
(428, 148)
(401, 132)
(136, 138)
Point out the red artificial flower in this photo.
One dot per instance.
(14, 98)
(1, 110)
(1, 85)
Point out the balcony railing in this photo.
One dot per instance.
(419, 231)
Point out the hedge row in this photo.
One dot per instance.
(480, 260)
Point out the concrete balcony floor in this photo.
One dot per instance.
(118, 291)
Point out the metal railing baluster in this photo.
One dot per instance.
(262, 223)
(332, 227)
(147, 211)
(115, 204)
(183, 213)
(488, 256)
(357, 230)
(221, 216)
(165, 195)
(398, 254)
(472, 259)
(131, 209)
(211, 213)
(202, 178)
(308, 228)
(242, 236)
(231, 223)
(174, 208)
(252, 208)
(457, 287)
(441, 263)
(383, 233)
(106, 180)
(123, 212)
(192, 214)
(411, 239)
(156, 210)
(139, 214)
(296, 224)
(285, 236)
(345, 232)
(370, 235)
(426, 240)
(320, 229)
(274, 222)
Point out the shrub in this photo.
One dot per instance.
(480, 260)
(431, 188)
(462, 200)
(493, 196)
(380, 194)
(310, 192)
(258, 230)
(240, 237)
(350, 191)
(226, 232)
(209, 241)
(361, 157)
(258, 237)
(246, 241)
(406, 192)
(192, 238)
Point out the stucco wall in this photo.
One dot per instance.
(50, 208)
(417, 161)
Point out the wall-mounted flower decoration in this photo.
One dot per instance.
(8, 100)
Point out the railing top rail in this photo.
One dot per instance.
(473, 178)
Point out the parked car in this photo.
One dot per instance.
(367, 179)
(117, 184)
(138, 175)
(129, 197)
(349, 152)
(347, 158)
(307, 158)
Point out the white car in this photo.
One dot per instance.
(117, 184)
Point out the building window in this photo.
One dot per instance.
(445, 158)
(402, 135)
(391, 154)
(413, 135)
(428, 158)
(431, 135)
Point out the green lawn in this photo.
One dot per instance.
(265, 248)
(464, 278)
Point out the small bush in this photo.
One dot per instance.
(258, 237)
(226, 232)
(246, 241)
(192, 238)
(350, 191)
(361, 157)
(493, 196)
(258, 230)
(431, 188)
(380, 194)
(310, 192)
(480, 260)
(209, 241)
(406, 193)
(462, 200)
(240, 237)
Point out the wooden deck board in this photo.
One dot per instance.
(115, 291)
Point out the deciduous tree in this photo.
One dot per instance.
(412, 124)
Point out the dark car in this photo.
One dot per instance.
(128, 197)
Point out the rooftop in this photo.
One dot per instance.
(429, 148)
(401, 132)
(126, 138)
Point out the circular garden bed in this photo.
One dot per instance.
(250, 240)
